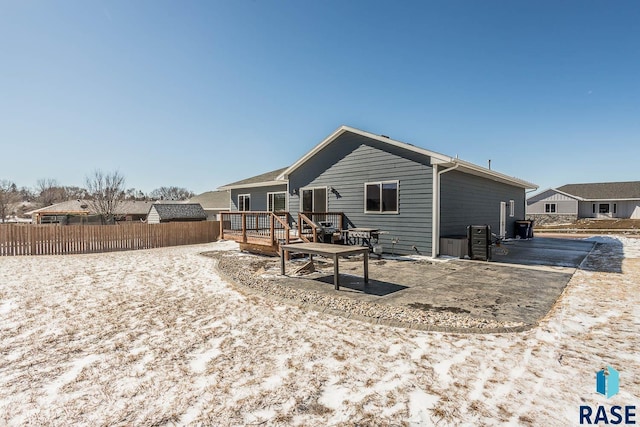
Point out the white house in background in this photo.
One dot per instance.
(603, 200)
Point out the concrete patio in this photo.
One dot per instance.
(519, 288)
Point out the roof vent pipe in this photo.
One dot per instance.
(489, 164)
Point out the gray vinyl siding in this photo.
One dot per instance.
(258, 196)
(564, 204)
(350, 162)
(468, 199)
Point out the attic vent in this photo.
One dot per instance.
(385, 136)
(84, 206)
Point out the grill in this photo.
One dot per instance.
(325, 232)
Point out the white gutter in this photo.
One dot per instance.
(435, 251)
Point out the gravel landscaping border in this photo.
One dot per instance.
(240, 271)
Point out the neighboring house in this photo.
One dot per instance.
(414, 195)
(80, 212)
(213, 202)
(596, 200)
(175, 212)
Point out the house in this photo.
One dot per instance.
(175, 212)
(80, 212)
(596, 200)
(360, 179)
(213, 202)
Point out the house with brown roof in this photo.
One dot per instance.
(600, 200)
(80, 212)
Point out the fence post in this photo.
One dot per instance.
(244, 228)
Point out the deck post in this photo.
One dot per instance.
(221, 226)
(282, 256)
(366, 267)
(244, 228)
(271, 229)
(336, 273)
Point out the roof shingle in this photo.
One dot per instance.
(603, 190)
(169, 212)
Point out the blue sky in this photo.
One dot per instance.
(199, 94)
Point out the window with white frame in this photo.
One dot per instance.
(277, 202)
(512, 208)
(244, 202)
(550, 208)
(381, 197)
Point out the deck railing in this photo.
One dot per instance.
(257, 227)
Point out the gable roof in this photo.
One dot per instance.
(629, 190)
(171, 211)
(436, 158)
(267, 178)
(212, 200)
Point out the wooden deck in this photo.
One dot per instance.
(264, 232)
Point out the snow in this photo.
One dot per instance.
(157, 337)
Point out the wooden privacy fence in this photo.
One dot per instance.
(82, 239)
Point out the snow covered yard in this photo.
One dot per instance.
(157, 338)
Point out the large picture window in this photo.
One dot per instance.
(277, 202)
(244, 202)
(381, 197)
(603, 208)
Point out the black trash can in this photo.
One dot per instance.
(523, 229)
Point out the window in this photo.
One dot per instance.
(381, 197)
(593, 208)
(603, 208)
(615, 208)
(512, 208)
(276, 202)
(550, 208)
(244, 202)
(313, 199)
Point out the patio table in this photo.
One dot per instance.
(329, 251)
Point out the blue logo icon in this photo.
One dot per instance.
(608, 381)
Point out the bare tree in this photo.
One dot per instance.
(171, 193)
(49, 192)
(8, 195)
(106, 192)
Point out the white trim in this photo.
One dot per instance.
(512, 208)
(436, 207)
(269, 193)
(503, 219)
(238, 205)
(381, 183)
(439, 158)
(257, 184)
(555, 208)
(610, 200)
(435, 212)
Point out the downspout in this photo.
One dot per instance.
(436, 208)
